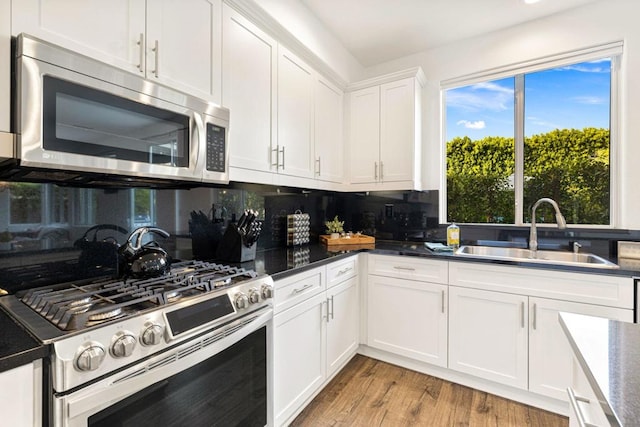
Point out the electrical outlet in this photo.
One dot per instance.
(629, 250)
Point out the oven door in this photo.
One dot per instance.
(221, 378)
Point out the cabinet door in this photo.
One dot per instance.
(249, 58)
(299, 355)
(550, 355)
(109, 31)
(295, 115)
(408, 318)
(183, 40)
(343, 325)
(364, 135)
(18, 400)
(398, 131)
(328, 141)
(488, 335)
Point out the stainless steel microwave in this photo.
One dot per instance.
(80, 120)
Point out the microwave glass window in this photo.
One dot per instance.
(86, 121)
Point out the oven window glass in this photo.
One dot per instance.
(228, 389)
(82, 120)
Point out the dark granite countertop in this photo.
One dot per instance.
(280, 262)
(609, 353)
(17, 347)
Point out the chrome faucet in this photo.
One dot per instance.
(533, 235)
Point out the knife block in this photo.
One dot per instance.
(232, 249)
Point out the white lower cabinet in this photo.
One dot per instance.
(315, 332)
(488, 335)
(299, 355)
(550, 355)
(342, 324)
(584, 408)
(408, 318)
(21, 395)
(504, 326)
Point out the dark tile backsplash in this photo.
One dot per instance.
(47, 234)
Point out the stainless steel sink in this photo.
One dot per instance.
(547, 257)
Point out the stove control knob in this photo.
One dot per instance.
(241, 301)
(254, 296)
(267, 291)
(123, 344)
(90, 356)
(151, 334)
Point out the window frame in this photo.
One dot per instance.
(613, 50)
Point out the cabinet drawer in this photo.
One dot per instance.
(294, 289)
(339, 271)
(411, 268)
(600, 289)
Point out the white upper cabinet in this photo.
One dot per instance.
(107, 31)
(385, 133)
(175, 43)
(249, 58)
(183, 45)
(294, 152)
(328, 125)
(364, 135)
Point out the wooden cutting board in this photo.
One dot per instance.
(353, 240)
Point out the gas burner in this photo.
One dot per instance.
(79, 305)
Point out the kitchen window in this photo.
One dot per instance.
(543, 129)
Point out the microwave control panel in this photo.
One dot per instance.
(216, 148)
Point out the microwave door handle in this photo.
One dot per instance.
(199, 138)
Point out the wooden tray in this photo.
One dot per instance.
(353, 240)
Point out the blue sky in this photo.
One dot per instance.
(575, 96)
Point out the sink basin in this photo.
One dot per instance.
(547, 257)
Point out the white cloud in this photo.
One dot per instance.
(486, 96)
(541, 123)
(479, 124)
(581, 68)
(589, 100)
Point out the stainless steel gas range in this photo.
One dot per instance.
(186, 348)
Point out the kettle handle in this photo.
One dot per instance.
(137, 234)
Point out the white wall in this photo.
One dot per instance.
(5, 64)
(593, 24)
(304, 26)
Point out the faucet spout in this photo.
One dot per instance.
(533, 234)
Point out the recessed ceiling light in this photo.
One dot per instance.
(531, 1)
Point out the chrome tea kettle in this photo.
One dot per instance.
(144, 261)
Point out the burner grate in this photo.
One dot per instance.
(78, 305)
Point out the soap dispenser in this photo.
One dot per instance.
(453, 236)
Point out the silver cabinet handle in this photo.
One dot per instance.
(302, 289)
(522, 314)
(399, 267)
(534, 316)
(331, 307)
(375, 170)
(325, 312)
(573, 400)
(318, 163)
(156, 50)
(274, 150)
(141, 59)
(282, 151)
(344, 271)
(381, 171)
(443, 301)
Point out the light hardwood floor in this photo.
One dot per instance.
(372, 393)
